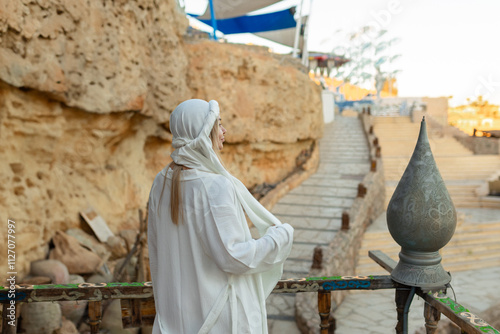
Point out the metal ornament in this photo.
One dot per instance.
(421, 218)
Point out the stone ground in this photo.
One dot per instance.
(314, 209)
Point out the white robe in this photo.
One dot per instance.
(209, 258)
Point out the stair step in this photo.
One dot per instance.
(467, 265)
(375, 269)
(482, 232)
(450, 253)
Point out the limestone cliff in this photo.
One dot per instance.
(86, 91)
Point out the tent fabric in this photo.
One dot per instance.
(225, 9)
(285, 36)
(256, 23)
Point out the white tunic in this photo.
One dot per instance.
(210, 259)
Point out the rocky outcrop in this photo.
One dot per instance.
(86, 90)
(271, 111)
(97, 56)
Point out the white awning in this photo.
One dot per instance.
(233, 8)
(284, 36)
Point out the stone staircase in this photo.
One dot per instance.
(476, 243)
(315, 208)
(473, 246)
(463, 172)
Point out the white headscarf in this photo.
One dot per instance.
(191, 123)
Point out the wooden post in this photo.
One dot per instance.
(371, 129)
(378, 151)
(317, 258)
(345, 221)
(324, 306)
(361, 190)
(373, 167)
(432, 316)
(95, 316)
(375, 141)
(401, 298)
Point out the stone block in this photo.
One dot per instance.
(41, 318)
(130, 236)
(67, 327)
(117, 246)
(56, 270)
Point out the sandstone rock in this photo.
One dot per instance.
(99, 57)
(117, 246)
(270, 116)
(74, 311)
(100, 278)
(67, 327)
(129, 272)
(259, 104)
(89, 241)
(17, 167)
(56, 270)
(130, 237)
(77, 259)
(36, 280)
(84, 328)
(40, 318)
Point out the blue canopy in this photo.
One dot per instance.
(256, 23)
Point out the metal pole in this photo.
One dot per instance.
(212, 18)
(297, 31)
(407, 309)
(305, 51)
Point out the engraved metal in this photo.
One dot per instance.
(421, 218)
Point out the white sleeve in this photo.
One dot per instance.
(223, 238)
(152, 238)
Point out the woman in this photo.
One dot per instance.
(209, 275)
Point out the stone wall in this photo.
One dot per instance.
(86, 90)
(478, 145)
(437, 108)
(341, 256)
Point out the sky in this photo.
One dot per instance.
(447, 47)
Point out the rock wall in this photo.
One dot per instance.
(86, 90)
(272, 112)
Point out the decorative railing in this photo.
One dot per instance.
(138, 304)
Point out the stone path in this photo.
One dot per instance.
(315, 208)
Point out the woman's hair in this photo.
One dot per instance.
(176, 209)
